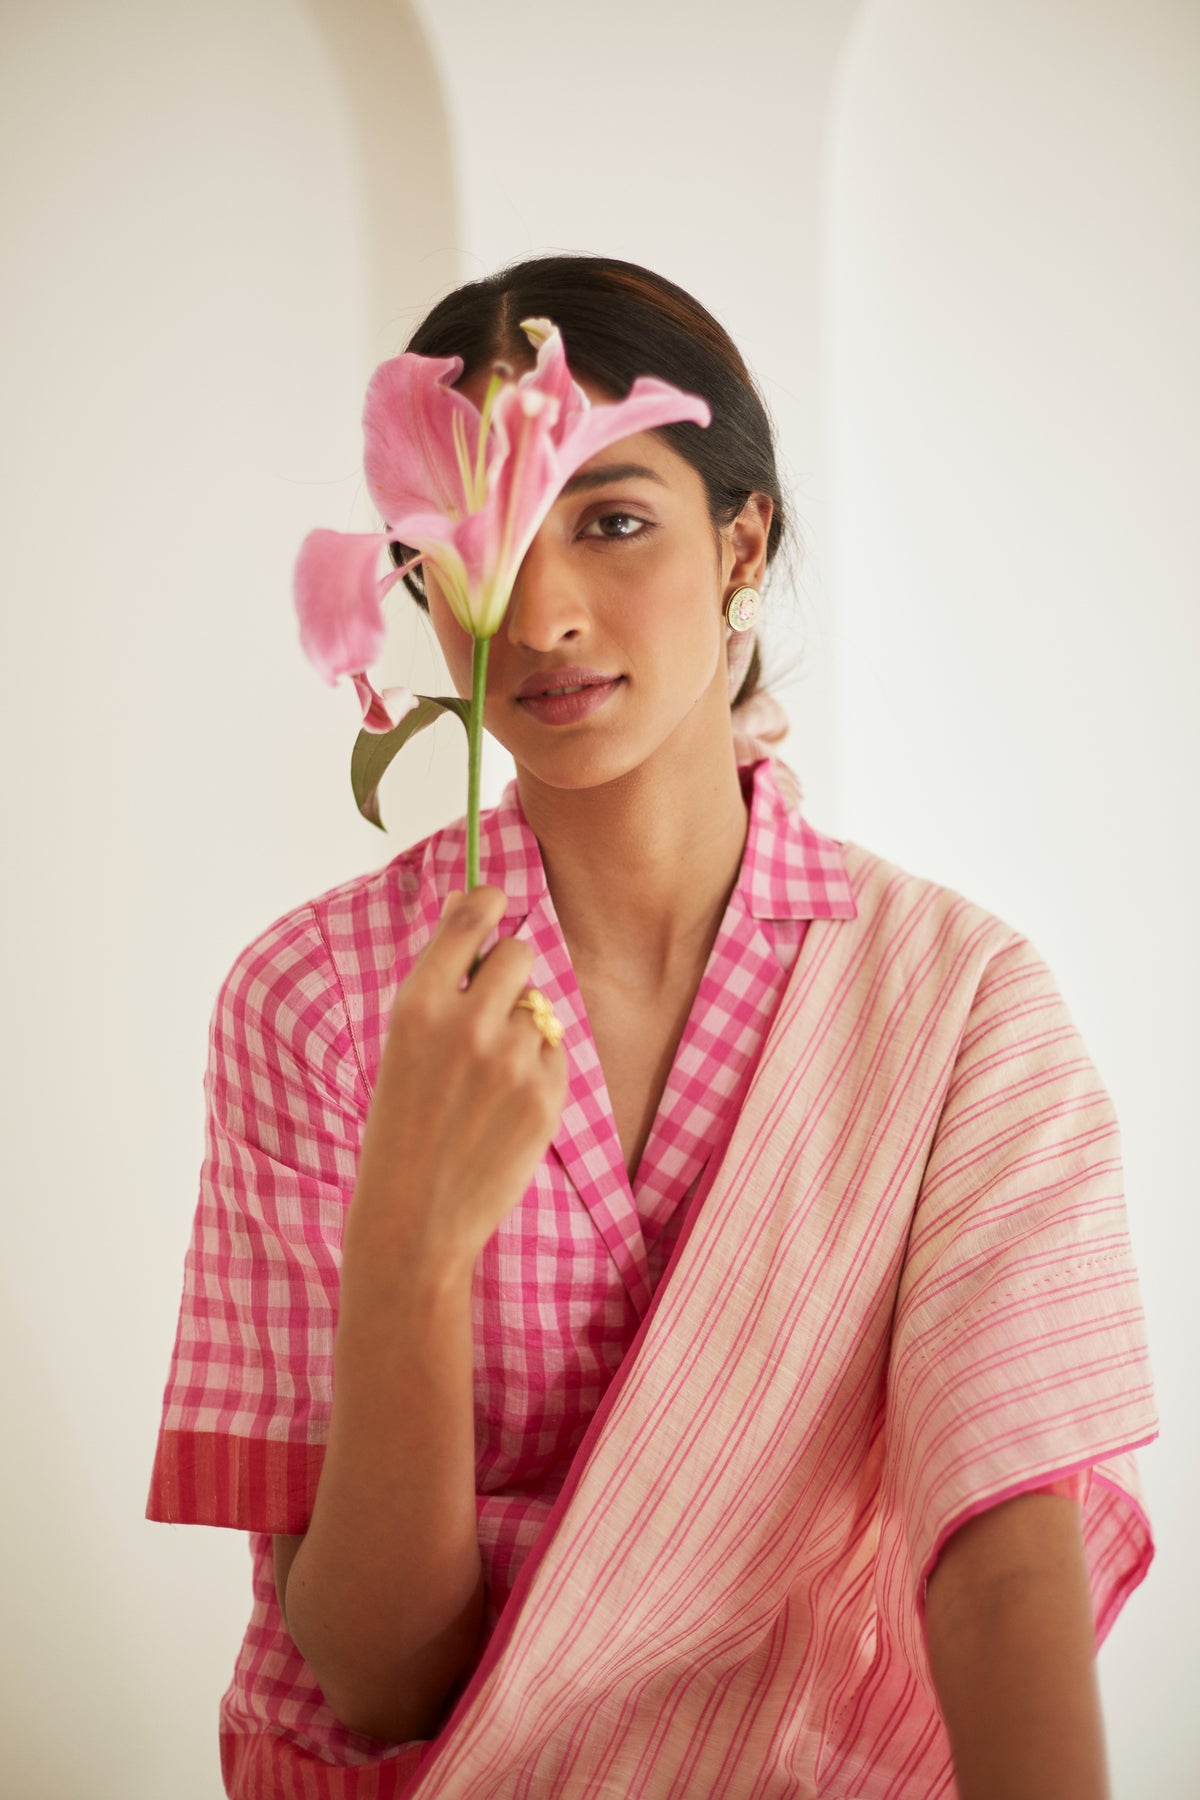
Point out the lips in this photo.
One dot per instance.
(566, 694)
(571, 677)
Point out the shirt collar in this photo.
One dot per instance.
(789, 871)
(509, 856)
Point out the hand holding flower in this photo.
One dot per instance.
(466, 1100)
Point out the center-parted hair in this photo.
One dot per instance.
(618, 321)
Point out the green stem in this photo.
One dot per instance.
(479, 662)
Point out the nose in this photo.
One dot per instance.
(547, 606)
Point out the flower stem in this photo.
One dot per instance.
(479, 662)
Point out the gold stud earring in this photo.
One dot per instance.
(742, 608)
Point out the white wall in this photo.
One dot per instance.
(963, 273)
(202, 264)
(1011, 291)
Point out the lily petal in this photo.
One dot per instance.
(586, 428)
(550, 374)
(422, 529)
(382, 712)
(412, 453)
(488, 573)
(649, 404)
(550, 432)
(538, 330)
(449, 554)
(525, 481)
(338, 592)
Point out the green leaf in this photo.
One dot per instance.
(374, 750)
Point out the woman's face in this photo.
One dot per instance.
(622, 591)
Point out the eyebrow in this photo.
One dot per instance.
(593, 478)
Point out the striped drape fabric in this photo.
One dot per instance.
(908, 1295)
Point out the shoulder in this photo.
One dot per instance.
(921, 955)
(914, 915)
(1002, 1053)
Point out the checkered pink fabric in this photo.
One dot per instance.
(562, 1286)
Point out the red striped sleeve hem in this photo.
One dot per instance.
(249, 1484)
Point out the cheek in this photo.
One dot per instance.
(455, 643)
(679, 604)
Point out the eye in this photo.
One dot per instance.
(616, 525)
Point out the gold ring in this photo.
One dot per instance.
(544, 1016)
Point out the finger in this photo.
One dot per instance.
(467, 919)
(501, 977)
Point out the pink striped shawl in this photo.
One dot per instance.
(908, 1295)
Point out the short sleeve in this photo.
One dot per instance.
(246, 1407)
(1019, 1357)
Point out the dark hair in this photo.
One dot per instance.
(619, 321)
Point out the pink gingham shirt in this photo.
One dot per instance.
(561, 1287)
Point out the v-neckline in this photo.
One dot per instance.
(587, 1142)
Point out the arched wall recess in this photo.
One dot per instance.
(201, 271)
(407, 183)
(408, 216)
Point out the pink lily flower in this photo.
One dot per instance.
(467, 488)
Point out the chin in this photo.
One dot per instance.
(578, 768)
(579, 775)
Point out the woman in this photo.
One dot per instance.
(738, 1398)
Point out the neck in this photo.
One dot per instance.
(640, 870)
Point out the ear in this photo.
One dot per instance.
(744, 558)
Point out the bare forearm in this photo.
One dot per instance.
(384, 1596)
(1009, 1627)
